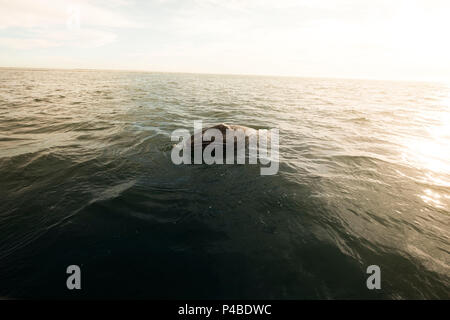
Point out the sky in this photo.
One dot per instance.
(369, 39)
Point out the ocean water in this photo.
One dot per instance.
(86, 178)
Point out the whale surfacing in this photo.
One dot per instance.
(225, 143)
(225, 130)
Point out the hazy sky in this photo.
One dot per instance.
(392, 39)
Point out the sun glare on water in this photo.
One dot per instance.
(431, 153)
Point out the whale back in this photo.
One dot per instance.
(224, 129)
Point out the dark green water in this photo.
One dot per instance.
(86, 178)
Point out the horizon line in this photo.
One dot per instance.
(229, 74)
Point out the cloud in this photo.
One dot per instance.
(81, 38)
(38, 24)
(39, 13)
(26, 43)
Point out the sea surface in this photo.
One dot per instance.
(86, 179)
